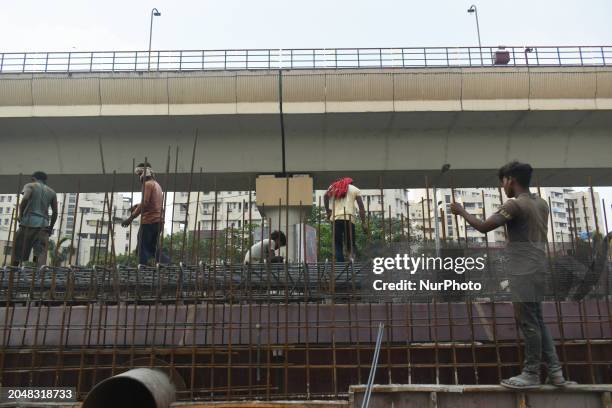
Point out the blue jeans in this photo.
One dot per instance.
(148, 235)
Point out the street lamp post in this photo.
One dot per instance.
(474, 10)
(154, 13)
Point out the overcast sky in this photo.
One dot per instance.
(35, 25)
(87, 25)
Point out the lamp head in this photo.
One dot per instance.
(472, 9)
(156, 12)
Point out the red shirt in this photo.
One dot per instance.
(151, 206)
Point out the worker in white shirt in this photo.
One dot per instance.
(265, 250)
(343, 195)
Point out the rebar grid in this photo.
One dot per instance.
(224, 330)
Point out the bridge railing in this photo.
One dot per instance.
(315, 58)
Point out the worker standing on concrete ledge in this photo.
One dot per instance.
(265, 250)
(151, 220)
(35, 228)
(526, 217)
(343, 195)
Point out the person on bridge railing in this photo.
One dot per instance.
(526, 217)
(151, 220)
(343, 195)
(35, 227)
(265, 250)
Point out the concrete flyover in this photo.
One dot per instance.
(395, 125)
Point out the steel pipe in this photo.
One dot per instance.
(141, 387)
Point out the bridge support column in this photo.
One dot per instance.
(286, 202)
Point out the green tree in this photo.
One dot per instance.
(227, 245)
(379, 232)
(58, 253)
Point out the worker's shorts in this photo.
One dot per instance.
(28, 239)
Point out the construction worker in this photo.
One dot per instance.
(35, 226)
(265, 250)
(342, 195)
(526, 218)
(151, 216)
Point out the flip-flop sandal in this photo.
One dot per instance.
(565, 382)
(519, 384)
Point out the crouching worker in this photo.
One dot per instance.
(265, 251)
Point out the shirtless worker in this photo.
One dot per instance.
(35, 226)
(526, 217)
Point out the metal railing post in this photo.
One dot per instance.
(318, 58)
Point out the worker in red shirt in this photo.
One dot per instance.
(151, 216)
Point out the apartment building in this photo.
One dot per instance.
(566, 204)
(87, 228)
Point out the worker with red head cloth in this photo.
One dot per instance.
(342, 195)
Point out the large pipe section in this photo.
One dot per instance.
(140, 387)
